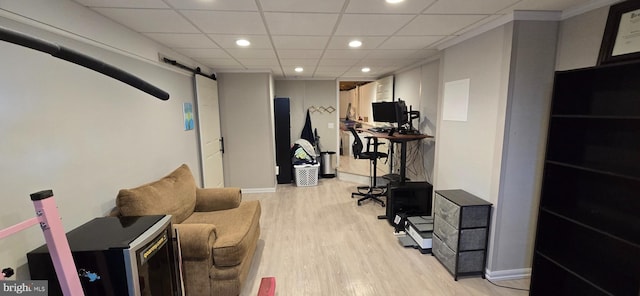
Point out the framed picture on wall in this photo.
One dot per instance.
(621, 40)
(187, 110)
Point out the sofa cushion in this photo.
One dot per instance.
(236, 229)
(174, 194)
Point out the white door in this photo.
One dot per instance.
(211, 145)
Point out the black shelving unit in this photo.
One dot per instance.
(588, 234)
(282, 118)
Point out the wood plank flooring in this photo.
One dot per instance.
(317, 241)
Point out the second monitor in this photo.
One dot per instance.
(391, 112)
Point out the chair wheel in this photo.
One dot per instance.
(382, 203)
(358, 203)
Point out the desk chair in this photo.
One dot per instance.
(372, 191)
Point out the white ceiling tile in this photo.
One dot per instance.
(252, 53)
(303, 24)
(290, 73)
(236, 5)
(299, 53)
(368, 6)
(481, 22)
(299, 62)
(149, 20)
(469, 7)
(252, 63)
(368, 42)
(225, 22)
(337, 62)
(390, 53)
(303, 5)
(438, 24)
(382, 62)
(410, 42)
(371, 24)
(306, 70)
(124, 3)
(423, 53)
(277, 71)
(300, 42)
(229, 41)
(302, 31)
(203, 52)
(177, 40)
(374, 72)
(345, 54)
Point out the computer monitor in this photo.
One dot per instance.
(402, 114)
(384, 112)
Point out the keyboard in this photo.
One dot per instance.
(379, 129)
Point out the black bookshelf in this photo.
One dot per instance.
(588, 234)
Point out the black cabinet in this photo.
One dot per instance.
(282, 123)
(117, 256)
(588, 234)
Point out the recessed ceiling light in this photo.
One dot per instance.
(366, 69)
(394, 1)
(299, 69)
(243, 42)
(355, 43)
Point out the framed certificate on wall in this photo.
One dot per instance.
(621, 40)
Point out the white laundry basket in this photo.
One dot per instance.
(306, 174)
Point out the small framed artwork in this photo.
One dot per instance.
(621, 40)
(187, 110)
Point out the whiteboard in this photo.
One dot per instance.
(456, 100)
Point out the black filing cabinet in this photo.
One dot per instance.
(461, 232)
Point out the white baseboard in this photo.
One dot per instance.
(258, 190)
(505, 275)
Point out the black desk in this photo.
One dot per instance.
(402, 139)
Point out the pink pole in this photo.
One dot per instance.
(57, 243)
(18, 227)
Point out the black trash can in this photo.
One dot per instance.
(327, 164)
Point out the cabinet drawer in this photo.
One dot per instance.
(475, 216)
(471, 261)
(447, 211)
(469, 239)
(445, 255)
(445, 232)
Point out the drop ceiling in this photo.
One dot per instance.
(312, 34)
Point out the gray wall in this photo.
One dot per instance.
(246, 113)
(468, 152)
(496, 153)
(82, 134)
(580, 38)
(304, 94)
(528, 100)
(419, 88)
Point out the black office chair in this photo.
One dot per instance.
(372, 191)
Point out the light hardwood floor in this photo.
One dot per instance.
(317, 241)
